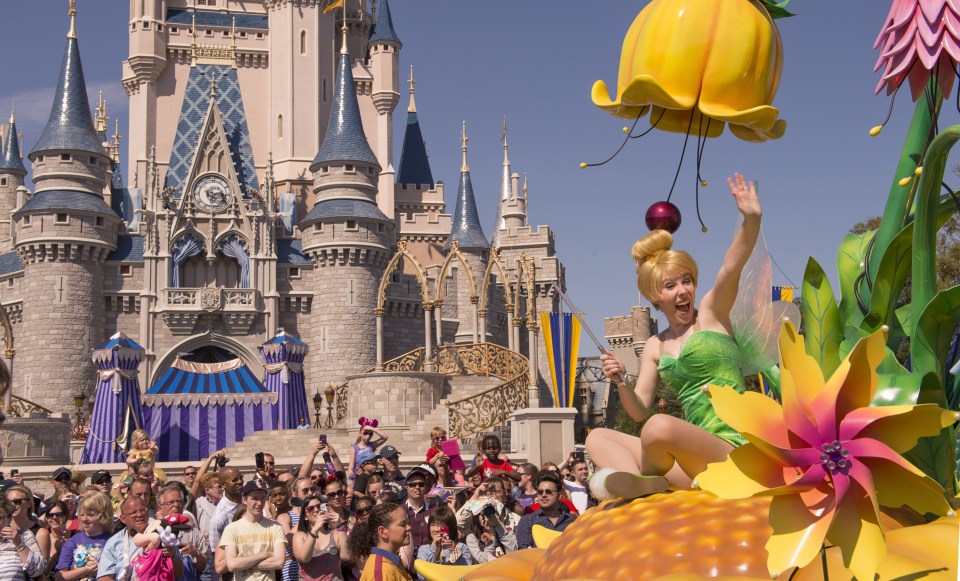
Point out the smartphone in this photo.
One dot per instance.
(445, 533)
(578, 456)
(15, 472)
(323, 439)
(258, 459)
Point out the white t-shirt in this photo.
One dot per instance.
(578, 495)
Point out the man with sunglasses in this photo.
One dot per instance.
(550, 514)
(192, 542)
(419, 481)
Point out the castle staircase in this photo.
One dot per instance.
(484, 384)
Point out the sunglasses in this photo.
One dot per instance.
(54, 515)
(364, 510)
(367, 433)
(313, 508)
(546, 492)
(337, 493)
(18, 501)
(416, 484)
(189, 473)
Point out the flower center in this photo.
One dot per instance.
(834, 457)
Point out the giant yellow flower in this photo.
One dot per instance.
(828, 459)
(700, 64)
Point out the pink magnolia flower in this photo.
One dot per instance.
(919, 39)
(828, 459)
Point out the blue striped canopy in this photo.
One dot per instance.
(120, 341)
(235, 381)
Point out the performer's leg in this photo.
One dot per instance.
(613, 449)
(670, 443)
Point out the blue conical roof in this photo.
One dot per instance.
(345, 140)
(467, 230)
(70, 126)
(383, 27)
(10, 158)
(414, 164)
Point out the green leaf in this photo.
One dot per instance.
(891, 275)
(777, 9)
(821, 318)
(907, 389)
(901, 325)
(935, 455)
(850, 264)
(934, 331)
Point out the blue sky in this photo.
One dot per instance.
(535, 62)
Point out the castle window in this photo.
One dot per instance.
(94, 161)
(352, 225)
(27, 220)
(9, 283)
(226, 33)
(99, 220)
(324, 89)
(174, 30)
(380, 227)
(303, 42)
(324, 170)
(146, 26)
(318, 227)
(349, 168)
(294, 272)
(61, 219)
(39, 159)
(64, 157)
(126, 270)
(159, 27)
(259, 35)
(208, 32)
(243, 35)
(280, 126)
(3, 181)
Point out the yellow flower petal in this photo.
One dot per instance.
(860, 382)
(856, 530)
(750, 413)
(897, 486)
(542, 536)
(518, 565)
(807, 375)
(746, 472)
(896, 426)
(798, 533)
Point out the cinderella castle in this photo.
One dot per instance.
(261, 244)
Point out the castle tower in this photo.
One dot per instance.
(513, 210)
(506, 191)
(348, 239)
(64, 233)
(12, 173)
(384, 48)
(473, 244)
(141, 75)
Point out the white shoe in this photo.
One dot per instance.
(609, 484)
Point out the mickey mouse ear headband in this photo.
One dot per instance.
(368, 422)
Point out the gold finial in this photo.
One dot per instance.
(193, 29)
(463, 146)
(101, 114)
(343, 31)
(116, 140)
(12, 109)
(413, 104)
(524, 186)
(20, 135)
(73, 20)
(506, 160)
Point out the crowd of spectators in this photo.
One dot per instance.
(322, 520)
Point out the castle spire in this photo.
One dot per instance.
(414, 166)
(10, 160)
(466, 229)
(345, 140)
(506, 190)
(70, 126)
(383, 30)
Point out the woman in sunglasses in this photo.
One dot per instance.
(55, 519)
(337, 499)
(19, 554)
(318, 544)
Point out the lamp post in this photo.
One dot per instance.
(317, 407)
(78, 399)
(328, 394)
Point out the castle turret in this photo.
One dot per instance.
(384, 48)
(348, 239)
(472, 244)
(12, 173)
(414, 164)
(64, 233)
(141, 76)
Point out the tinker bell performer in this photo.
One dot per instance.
(699, 347)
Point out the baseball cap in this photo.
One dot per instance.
(100, 476)
(62, 473)
(425, 470)
(389, 452)
(7, 484)
(366, 456)
(251, 486)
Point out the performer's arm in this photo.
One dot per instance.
(717, 304)
(637, 402)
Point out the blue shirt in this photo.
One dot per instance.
(117, 554)
(525, 526)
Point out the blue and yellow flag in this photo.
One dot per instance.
(783, 293)
(561, 335)
(333, 6)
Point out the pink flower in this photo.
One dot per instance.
(919, 39)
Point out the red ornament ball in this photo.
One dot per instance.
(663, 216)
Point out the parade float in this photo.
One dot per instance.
(852, 474)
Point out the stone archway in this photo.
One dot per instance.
(247, 355)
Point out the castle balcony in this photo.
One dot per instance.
(181, 308)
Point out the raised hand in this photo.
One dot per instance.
(745, 195)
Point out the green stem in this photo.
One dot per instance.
(823, 562)
(898, 200)
(924, 272)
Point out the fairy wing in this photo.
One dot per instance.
(755, 317)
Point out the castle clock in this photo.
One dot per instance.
(212, 193)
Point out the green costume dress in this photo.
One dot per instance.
(707, 357)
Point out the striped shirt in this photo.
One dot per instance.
(291, 568)
(384, 566)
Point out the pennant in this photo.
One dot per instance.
(333, 6)
(561, 336)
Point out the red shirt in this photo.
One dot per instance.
(487, 468)
(431, 453)
(536, 506)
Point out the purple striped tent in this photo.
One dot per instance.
(283, 361)
(116, 407)
(195, 409)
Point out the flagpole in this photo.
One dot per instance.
(576, 313)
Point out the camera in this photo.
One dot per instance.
(221, 461)
(489, 511)
(578, 456)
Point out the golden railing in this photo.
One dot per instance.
(20, 407)
(476, 413)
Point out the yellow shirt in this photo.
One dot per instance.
(251, 538)
(384, 566)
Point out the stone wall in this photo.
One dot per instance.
(395, 399)
(36, 440)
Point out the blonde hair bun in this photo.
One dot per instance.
(655, 258)
(650, 246)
